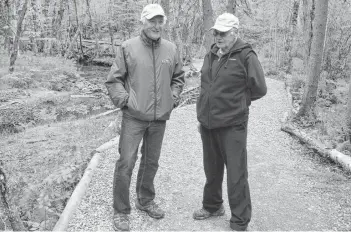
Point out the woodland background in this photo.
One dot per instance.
(55, 55)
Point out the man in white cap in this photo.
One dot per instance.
(231, 77)
(145, 81)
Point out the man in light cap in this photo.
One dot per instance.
(231, 77)
(145, 81)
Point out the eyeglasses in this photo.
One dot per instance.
(221, 34)
(155, 22)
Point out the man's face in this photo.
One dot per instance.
(224, 40)
(153, 27)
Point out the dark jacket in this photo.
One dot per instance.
(227, 91)
(146, 78)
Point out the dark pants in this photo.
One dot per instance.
(227, 146)
(132, 131)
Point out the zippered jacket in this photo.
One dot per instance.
(146, 78)
(228, 88)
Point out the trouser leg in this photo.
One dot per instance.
(214, 169)
(233, 142)
(132, 131)
(150, 150)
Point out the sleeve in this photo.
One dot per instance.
(177, 82)
(256, 79)
(116, 79)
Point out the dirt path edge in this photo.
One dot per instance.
(81, 188)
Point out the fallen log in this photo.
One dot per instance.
(105, 113)
(102, 61)
(336, 156)
(99, 42)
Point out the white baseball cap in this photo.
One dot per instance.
(152, 10)
(225, 22)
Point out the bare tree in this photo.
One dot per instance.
(5, 22)
(165, 6)
(78, 26)
(14, 53)
(208, 23)
(315, 60)
(348, 113)
(231, 6)
(292, 34)
(308, 17)
(58, 19)
(89, 24)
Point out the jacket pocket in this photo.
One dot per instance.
(201, 106)
(132, 102)
(241, 126)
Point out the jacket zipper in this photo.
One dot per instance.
(220, 66)
(209, 92)
(154, 64)
(210, 61)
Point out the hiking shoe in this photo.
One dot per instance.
(203, 213)
(120, 222)
(152, 209)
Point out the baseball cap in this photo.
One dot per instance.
(152, 10)
(225, 22)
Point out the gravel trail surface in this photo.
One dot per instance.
(290, 189)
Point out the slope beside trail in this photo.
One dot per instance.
(289, 189)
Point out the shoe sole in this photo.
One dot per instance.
(145, 210)
(116, 229)
(211, 215)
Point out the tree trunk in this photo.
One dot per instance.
(231, 7)
(292, 34)
(5, 5)
(58, 20)
(165, 6)
(70, 47)
(348, 113)
(188, 55)
(35, 15)
(176, 29)
(315, 62)
(80, 34)
(208, 23)
(14, 52)
(110, 30)
(308, 17)
(89, 24)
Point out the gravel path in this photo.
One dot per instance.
(290, 189)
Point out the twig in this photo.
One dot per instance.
(188, 90)
(36, 141)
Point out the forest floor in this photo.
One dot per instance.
(47, 131)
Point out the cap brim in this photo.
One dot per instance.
(220, 28)
(150, 16)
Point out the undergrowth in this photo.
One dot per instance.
(43, 165)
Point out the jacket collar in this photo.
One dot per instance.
(238, 46)
(149, 42)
